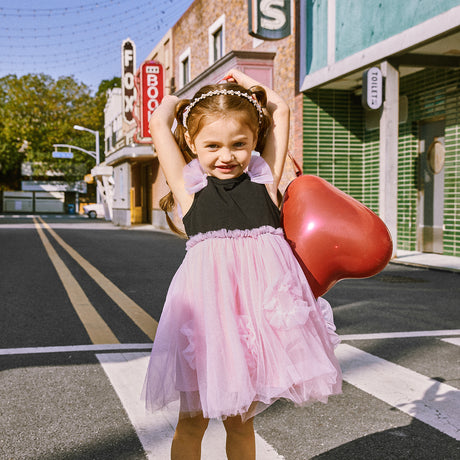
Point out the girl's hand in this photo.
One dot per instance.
(236, 76)
(227, 79)
(171, 159)
(164, 113)
(275, 102)
(278, 137)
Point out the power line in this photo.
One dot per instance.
(119, 17)
(66, 8)
(15, 49)
(51, 12)
(82, 39)
(65, 34)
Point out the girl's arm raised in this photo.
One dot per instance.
(171, 159)
(278, 137)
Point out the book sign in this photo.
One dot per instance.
(152, 89)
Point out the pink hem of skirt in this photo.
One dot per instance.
(240, 329)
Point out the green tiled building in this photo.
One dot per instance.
(403, 159)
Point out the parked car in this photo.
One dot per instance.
(94, 210)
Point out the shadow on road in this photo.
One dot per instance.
(414, 441)
(406, 442)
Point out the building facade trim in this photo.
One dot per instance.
(130, 153)
(331, 14)
(221, 63)
(436, 27)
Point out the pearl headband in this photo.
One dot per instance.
(217, 92)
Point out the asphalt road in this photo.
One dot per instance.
(79, 300)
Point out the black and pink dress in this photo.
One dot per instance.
(240, 326)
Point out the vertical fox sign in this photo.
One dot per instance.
(128, 67)
(269, 19)
(151, 89)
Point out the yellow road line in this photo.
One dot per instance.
(97, 329)
(140, 317)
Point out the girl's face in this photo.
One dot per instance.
(223, 146)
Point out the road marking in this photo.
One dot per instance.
(17, 226)
(75, 348)
(453, 341)
(140, 317)
(96, 327)
(126, 372)
(400, 335)
(428, 400)
(148, 346)
(72, 226)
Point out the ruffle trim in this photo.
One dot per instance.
(284, 306)
(326, 312)
(224, 233)
(189, 352)
(196, 179)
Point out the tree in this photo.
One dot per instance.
(36, 112)
(96, 112)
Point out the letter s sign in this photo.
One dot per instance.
(269, 19)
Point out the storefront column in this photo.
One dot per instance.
(389, 121)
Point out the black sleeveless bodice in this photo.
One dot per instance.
(231, 204)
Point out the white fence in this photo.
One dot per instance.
(33, 202)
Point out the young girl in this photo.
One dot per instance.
(240, 327)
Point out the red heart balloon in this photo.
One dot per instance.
(332, 235)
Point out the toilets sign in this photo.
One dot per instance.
(151, 73)
(269, 19)
(372, 96)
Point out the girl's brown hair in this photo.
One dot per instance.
(211, 107)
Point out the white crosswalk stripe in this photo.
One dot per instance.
(428, 400)
(453, 341)
(126, 372)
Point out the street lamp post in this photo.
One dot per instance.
(96, 133)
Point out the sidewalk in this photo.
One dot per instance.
(427, 260)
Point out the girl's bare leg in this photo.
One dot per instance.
(187, 439)
(241, 444)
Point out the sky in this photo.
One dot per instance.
(80, 38)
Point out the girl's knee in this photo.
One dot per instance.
(236, 425)
(192, 426)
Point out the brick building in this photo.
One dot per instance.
(211, 37)
(208, 40)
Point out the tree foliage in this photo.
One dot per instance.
(36, 112)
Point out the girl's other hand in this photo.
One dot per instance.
(169, 99)
(164, 113)
(236, 76)
(227, 79)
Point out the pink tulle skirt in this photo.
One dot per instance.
(240, 329)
